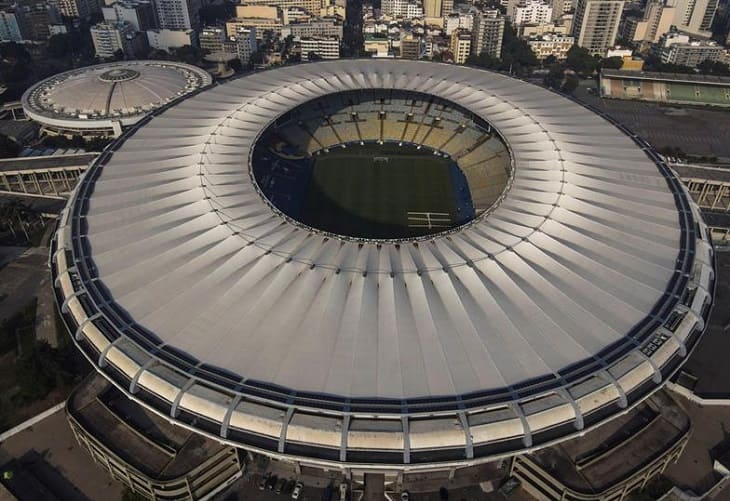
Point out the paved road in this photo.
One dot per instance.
(20, 281)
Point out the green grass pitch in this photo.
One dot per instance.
(351, 193)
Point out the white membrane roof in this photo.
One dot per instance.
(113, 90)
(577, 254)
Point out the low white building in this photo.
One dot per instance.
(171, 39)
(551, 44)
(679, 48)
(619, 52)
(407, 9)
(324, 47)
(532, 12)
(318, 28)
(458, 21)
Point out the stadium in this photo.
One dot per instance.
(383, 266)
(101, 100)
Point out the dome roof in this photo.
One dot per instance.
(126, 90)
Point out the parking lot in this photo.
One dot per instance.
(699, 131)
(247, 488)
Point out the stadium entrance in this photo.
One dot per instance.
(381, 164)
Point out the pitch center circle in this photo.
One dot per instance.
(381, 165)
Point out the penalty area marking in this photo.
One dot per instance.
(429, 220)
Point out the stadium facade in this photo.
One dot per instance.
(102, 100)
(569, 298)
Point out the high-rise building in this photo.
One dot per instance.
(211, 38)
(460, 46)
(408, 9)
(447, 7)
(246, 45)
(10, 24)
(178, 14)
(487, 33)
(458, 21)
(657, 20)
(532, 12)
(77, 8)
(138, 13)
(596, 24)
(110, 38)
(433, 8)
(560, 7)
(411, 47)
(694, 15)
(36, 16)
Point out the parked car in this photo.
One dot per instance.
(280, 485)
(297, 490)
(289, 487)
(327, 493)
(404, 496)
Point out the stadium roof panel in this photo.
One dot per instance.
(569, 278)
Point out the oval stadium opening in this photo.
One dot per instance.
(381, 164)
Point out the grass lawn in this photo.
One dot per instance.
(351, 193)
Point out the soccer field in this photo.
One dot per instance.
(410, 194)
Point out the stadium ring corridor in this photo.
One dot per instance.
(575, 299)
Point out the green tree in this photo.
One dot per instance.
(570, 84)
(550, 60)
(484, 60)
(517, 56)
(554, 78)
(256, 58)
(236, 65)
(15, 52)
(653, 63)
(97, 143)
(63, 45)
(188, 54)
(708, 67)
(8, 147)
(159, 54)
(581, 61)
(612, 63)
